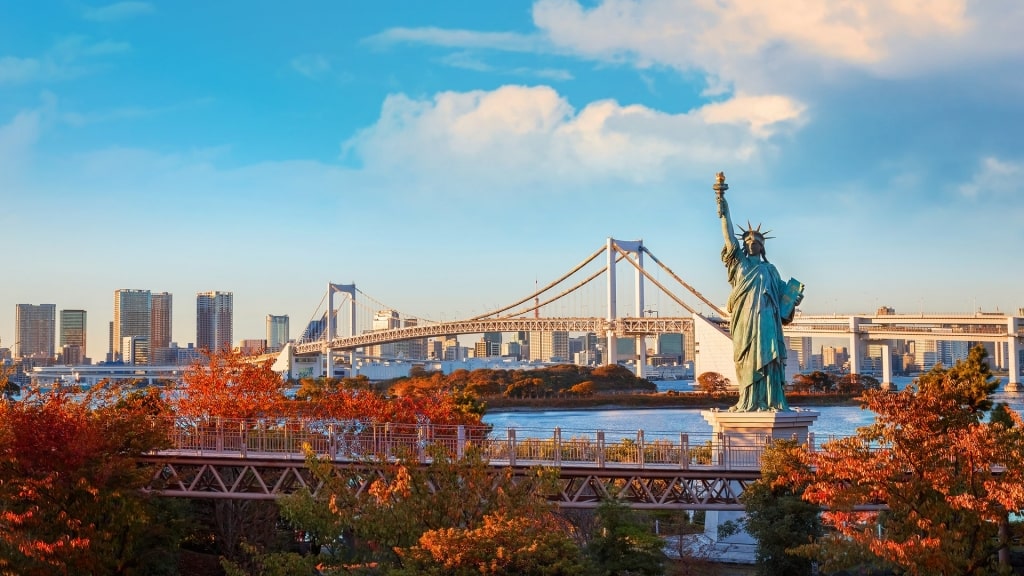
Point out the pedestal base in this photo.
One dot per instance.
(741, 431)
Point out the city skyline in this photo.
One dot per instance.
(187, 147)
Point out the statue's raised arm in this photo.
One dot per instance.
(723, 211)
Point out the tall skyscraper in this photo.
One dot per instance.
(72, 336)
(277, 332)
(133, 311)
(160, 322)
(549, 346)
(214, 320)
(35, 330)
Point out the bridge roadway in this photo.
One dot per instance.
(860, 330)
(977, 327)
(236, 460)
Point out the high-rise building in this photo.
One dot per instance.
(133, 311)
(35, 330)
(214, 321)
(160, 322)
(72, 336)
(277, 332)
(385, 320)
(549, 346)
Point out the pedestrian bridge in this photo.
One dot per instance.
(265, 460)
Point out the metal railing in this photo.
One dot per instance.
(361, 441)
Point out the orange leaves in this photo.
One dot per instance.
(69, 482)
(946, 477)
(229, 385)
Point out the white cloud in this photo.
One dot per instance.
(311, 65)
(117, 11)
(509, 41)
(763, 114)
(742, 41)
(995, 177)
(17, 140)
(530, 139)
(68, 58)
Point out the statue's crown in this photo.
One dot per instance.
(755, 232)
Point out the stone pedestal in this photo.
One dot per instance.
(740, 433)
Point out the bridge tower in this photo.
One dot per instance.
(331, 331)
(615, 247)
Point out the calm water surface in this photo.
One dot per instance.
(669, 422)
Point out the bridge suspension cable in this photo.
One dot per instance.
(680, 280)
(564, 293)
(588, 260)
(660, 285)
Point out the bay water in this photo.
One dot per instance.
(833, 421)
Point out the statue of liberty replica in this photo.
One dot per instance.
(759, 305)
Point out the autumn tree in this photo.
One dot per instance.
(230, 385)
(857, 383)
(71, 499)
(406, 511)
(712, 383)
(816, 381)
(946, 478)
(8, 389)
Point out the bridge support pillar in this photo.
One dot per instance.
(1013, 349)
(887, 367)
(856, 345)
(743, 436)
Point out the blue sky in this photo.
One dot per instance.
(446, 155)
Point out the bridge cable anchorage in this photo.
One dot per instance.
(684, 284)
(566, 292)
(658, 284)
(588, 260)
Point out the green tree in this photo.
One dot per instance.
(776, 515)
(622, 546)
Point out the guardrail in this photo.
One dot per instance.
(360, 441)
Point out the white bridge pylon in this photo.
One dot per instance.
(331, 329)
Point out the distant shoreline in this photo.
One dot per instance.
(648, 402)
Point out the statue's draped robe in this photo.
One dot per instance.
(756, 328)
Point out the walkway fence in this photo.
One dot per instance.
(360, 441)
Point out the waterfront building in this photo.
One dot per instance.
(160, 333)
(277, 332)
(251, 346)
(670, 345)
(926, 354)
(35, 330)
(493, 340)
(214, 320)
(135, 350)
(549, 346)
(415, 349)
(133, 310)
(73, 336)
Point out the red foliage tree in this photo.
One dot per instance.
(947, 478)
(70, 486)
(230, 385)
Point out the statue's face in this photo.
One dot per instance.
(754, 245)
